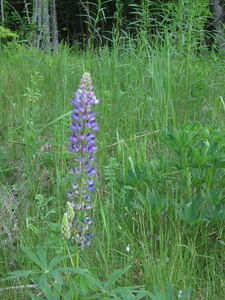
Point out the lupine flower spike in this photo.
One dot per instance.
(76, 221)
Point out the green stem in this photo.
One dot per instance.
(75, 264)
(53, 285)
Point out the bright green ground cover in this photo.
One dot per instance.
(161, 194)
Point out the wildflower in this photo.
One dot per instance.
(83, 145)
(180, 294)
(128, 249)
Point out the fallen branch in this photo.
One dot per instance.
(122, 141)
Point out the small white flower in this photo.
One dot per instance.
(128, 249)
(180, 293)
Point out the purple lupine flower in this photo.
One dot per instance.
(83, 145)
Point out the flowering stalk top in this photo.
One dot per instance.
(83, 145)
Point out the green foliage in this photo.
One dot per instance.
(6, 33)
(54, 282)
(150, 203)
(196, 168)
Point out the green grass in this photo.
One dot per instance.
(140, 91)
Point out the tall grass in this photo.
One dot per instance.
(142, 89)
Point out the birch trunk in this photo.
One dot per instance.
(54, 28)
(2, 13)
(46, 29)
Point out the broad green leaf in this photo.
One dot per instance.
(32, 256)
(114, 276)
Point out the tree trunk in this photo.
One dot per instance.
(2, 12)
(54, 28)
(33, 37)
(46, 29)
(217, 9)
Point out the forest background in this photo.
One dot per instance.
(158, 207)
(96, 23)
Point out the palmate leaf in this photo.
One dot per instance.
(89, 282)
(32, 256)
(56, 260)
(85, 279)
(41, 259)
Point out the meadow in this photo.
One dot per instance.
(158, 209)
